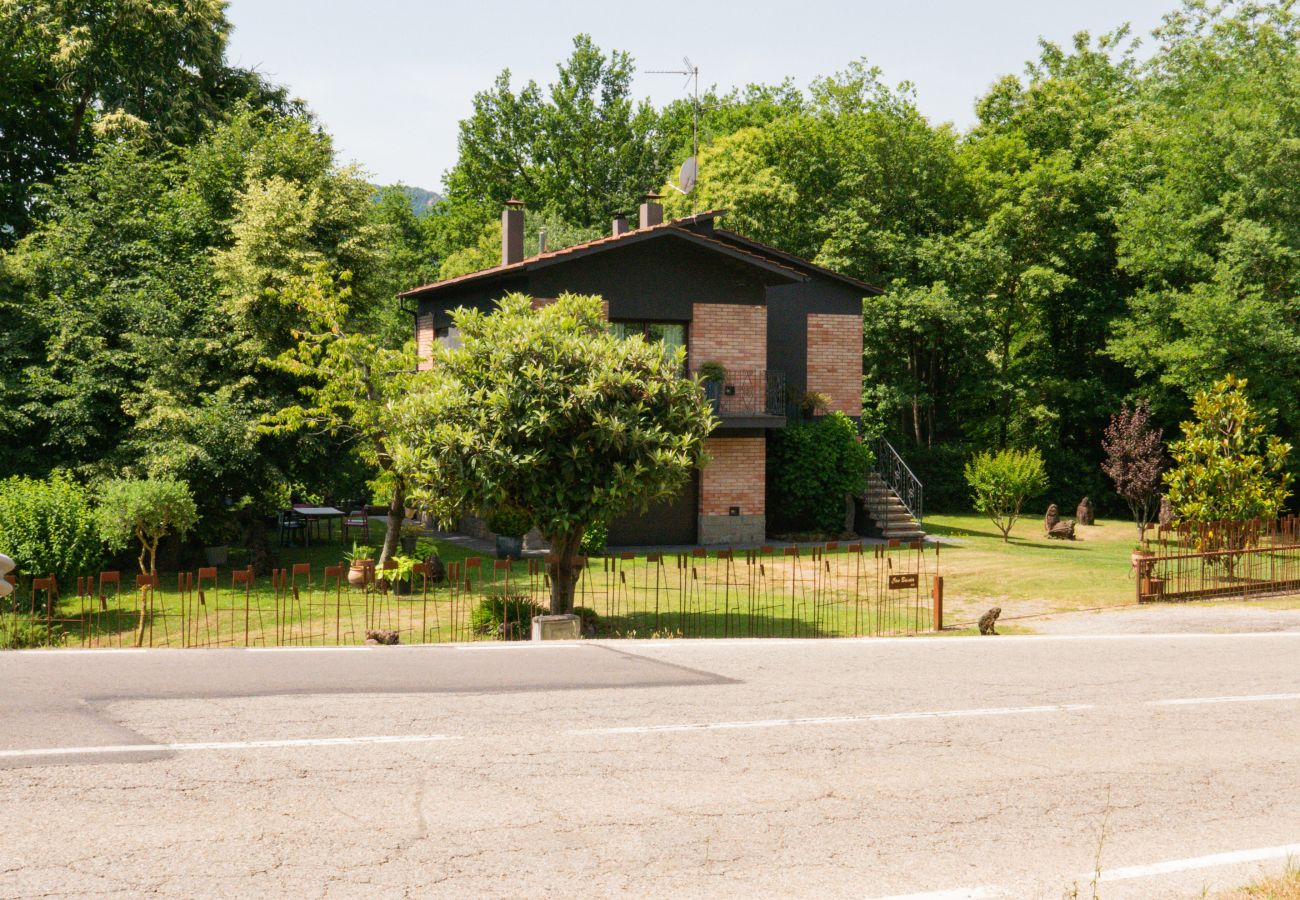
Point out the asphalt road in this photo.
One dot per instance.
(941, 767)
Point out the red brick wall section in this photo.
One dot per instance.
(734, 476)
(728, 333)
(424, 338)
(835, 360)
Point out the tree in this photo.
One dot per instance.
(350, 383)
(547, 412)
(1135, 461)
(1001, 483)
(1227, 467)
(582, 148)
(74, 73)
(1209, 226)
(146, 511)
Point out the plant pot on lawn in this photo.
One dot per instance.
(509, 525)
(509, 547)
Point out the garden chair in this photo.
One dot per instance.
(291, 523)
(356, 520)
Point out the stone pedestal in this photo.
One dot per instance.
(557, 628)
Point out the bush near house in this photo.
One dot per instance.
(812, 466)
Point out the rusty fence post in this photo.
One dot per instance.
(938, 603)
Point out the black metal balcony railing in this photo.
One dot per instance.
(747, 392)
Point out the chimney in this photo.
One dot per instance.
(652, 212)
(512, 232)
(620, 223)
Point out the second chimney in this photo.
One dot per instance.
(512, 232)
(620, 224)
(652, 211)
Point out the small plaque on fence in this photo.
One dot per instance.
(906, 582)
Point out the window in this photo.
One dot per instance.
(671, 334)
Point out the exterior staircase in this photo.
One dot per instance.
(893, 498)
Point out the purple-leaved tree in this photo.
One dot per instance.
(1135, 461)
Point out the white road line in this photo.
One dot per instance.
(521, 645)
(228, 745)
(1259, 854)
(926, 640)
(975, 893)
(1244, 698)
(1168, 867)
(834, 720)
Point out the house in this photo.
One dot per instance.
(778, 325)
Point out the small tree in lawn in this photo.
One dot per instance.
(350, 384)
(546, 412)
(1227, 467)
(146, 511)
(1001, 483)
(1135, 461)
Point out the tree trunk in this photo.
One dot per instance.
(564, 570)
(396, 516)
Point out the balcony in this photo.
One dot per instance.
(748, 398)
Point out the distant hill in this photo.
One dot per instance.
(421, 200)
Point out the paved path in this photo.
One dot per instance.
(1167, 618)
(944, 767)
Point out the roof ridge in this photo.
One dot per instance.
(572, 248)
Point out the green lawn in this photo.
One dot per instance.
(845, 593)
(1030, 574)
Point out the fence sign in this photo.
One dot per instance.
(905, 582)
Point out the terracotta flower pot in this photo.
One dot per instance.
(357, 574)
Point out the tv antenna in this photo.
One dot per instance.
(689, 173)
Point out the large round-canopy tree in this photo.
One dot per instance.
(547, 413)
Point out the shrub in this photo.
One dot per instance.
(145, 511)
(1001, 483)
(812, 467)
(495, 610)
(49, 526)
(508, 522)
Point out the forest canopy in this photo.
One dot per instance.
(1120, 223)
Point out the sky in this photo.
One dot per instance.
(390, 79)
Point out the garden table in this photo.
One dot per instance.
(320, 513)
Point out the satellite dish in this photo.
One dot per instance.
(686, 178)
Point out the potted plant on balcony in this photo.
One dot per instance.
(509, 525)
(713, 375)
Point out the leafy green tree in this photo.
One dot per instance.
(813, 466)
(547, 412)
(1227, 467)
(145, 511)
(583, 147)
(74, 72)
(1209, 225)
(1001, 482)
(350, 384)
(144, 312)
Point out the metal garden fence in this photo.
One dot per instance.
(1220, 560)
(810, 591)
